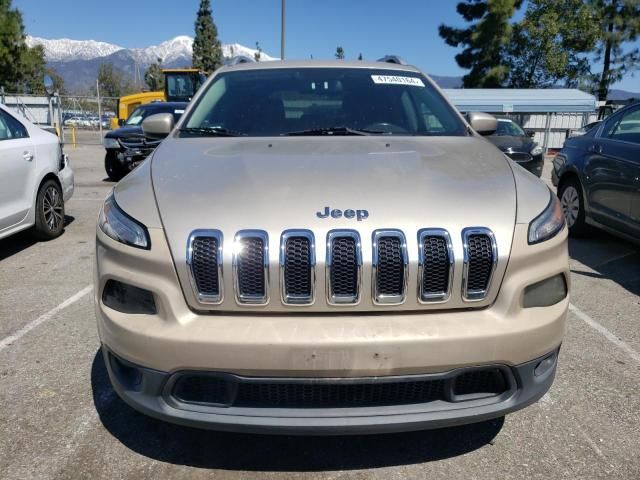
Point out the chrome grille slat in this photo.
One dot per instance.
(344, 267)
(297, 267)
(389, 267)
(435, 265)
(480, 260)
(251, 267)
(204, 262)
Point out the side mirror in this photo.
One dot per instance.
(531, 133)
(483, 123)
(48, 85)
(157, 126)
(121, 122)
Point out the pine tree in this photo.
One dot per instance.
(547, 44)
(484, 41)
(339, 53)
(207, 51)
(619, 22)
(58, 81)
(11, 45)
(153, 76)
(110, 80)
(32, 70)
(21, 67)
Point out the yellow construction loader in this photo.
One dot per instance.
(180, 85)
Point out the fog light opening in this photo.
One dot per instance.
(128, 299)
(546, 293)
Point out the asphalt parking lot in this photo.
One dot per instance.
(59, 417)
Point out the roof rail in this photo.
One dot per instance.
(239, 59)
(392, 59)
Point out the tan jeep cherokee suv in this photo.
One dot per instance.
(329, 247)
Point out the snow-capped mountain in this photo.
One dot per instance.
(66, 50)
(77, 61)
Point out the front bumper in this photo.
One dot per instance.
(534, 165)
(334, 345)
(66, 181)
(153, 392)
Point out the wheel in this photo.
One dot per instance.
(49, 211)
(570, 194)
(113, 167)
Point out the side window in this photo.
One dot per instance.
(625, 127)
(11, 128)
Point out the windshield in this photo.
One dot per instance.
(139, 114)
(509, 128)
(180, 85)
(312, 101)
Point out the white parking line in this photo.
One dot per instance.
(604, 332)
(4, 343)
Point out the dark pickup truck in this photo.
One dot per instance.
(127, 146)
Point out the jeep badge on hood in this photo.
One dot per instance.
(336, 213)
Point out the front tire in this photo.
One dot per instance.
(572, 201)
(113, 167)
(49, 211)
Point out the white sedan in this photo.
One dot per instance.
(35, 178)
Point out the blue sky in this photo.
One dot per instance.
(374, 28)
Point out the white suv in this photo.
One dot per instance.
(36, 178)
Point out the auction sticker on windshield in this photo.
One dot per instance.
(397, 80)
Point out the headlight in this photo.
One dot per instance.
(548, 223)
(121, 227)
(110, 142)
(537, 150)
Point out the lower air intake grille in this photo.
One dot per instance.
(204, 262)
(283, 395)
(519, 157)
(436, 266)
(489, 381)
(251, 267)
(480, 263)
(298, 269)
(249, 392)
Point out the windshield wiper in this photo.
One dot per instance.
(210, 132)
(333, 131)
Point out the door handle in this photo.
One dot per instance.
(28, 156)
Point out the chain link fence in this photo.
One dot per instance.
(77, 119)
(86, 118)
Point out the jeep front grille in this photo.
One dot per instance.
(297, 267)
(344, 265)
(390, 267)
(204, 259)
(480, 259)
(435, 267)
(251, 266)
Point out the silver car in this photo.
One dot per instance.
(36, 178)
(329, 247)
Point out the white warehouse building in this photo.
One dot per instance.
(551, 113)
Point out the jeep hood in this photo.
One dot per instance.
(275, 184)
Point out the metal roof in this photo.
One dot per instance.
(503, 100)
